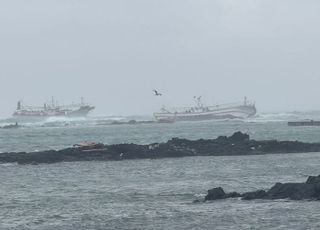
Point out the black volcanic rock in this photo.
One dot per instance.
(239, 137)
(294, 191)
(310, 190)
(313, 179)
(11, 126)
(259, 194)
(233, 195)
(131, 122)
(237, 144)
(216, 194)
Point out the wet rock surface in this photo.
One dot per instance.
(309, 190)
(11, 126)
(218, 193)
(131, 122)
(237, 144)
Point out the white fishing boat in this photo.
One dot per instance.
(200, 112)
(52, 110)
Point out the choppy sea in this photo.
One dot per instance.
(153, 194)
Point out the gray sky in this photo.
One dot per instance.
(114, 53)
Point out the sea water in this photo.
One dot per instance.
(153, 194)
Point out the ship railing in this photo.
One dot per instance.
(73, 106)
(31, 108)
(50, 107)
(228, 105)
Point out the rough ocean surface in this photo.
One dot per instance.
(158, 193)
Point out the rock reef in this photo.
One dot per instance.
(11, 126)
(309, 190)
(237, 144)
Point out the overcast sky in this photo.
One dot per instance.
(114, 53)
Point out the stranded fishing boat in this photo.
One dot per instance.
(201, 112)
(52, 110)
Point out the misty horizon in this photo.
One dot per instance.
(114, 53)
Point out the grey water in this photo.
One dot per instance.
(153, 194)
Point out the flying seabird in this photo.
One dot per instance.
(156, 93)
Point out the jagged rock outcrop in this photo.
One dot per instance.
(237, 144)
(309, 190)
(218, 193)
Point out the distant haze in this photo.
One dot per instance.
(113, 53)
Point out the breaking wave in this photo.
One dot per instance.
(285, 116)
(72, 121)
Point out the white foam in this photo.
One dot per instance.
(8, 164)
(64, 119)
(284, 117)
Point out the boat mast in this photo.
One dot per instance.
(19, 105)
(198, 101)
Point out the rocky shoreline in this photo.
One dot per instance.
(309, 190)
(237, 144)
